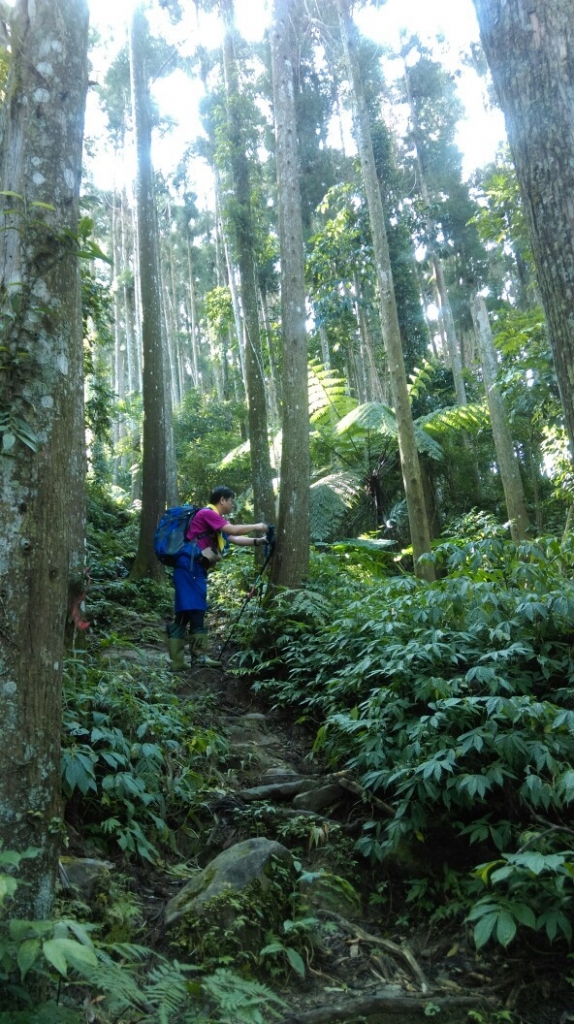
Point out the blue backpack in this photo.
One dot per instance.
(169, 541)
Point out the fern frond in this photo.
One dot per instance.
(235, 455)
(330, 499)
(427, 444)
(455, 419)
(374, 417)
(420, 379)
(328, 393)
(240, 1000)
(371, 417)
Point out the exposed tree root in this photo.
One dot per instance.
(402, 952)
(366, 1006)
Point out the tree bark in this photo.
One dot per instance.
(529, 46)
(505, 454)
(291, 562)
(42, 458)
(420, 535)
(154, 391)
(444, 300)
(241, 218)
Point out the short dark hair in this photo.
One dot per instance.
(220, 492)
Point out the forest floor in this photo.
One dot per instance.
(374, 960)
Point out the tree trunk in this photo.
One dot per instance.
(291, 562)
(418, 522)
(42, 459)
(154, 464)
(195, 372)
(241, 217)
(444, 301)
(505, 454)
(529, 45)
(373, 379)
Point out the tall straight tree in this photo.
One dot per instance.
(243, 229)
(505, 453)
(154, 389)
(418, 521)
(529, 46)
(42, 456)
(434, 254)
(291, 560)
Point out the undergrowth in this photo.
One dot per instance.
(451, 704)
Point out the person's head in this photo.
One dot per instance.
(223, 494)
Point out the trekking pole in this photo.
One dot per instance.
(269, 548)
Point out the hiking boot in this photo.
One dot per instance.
(176, 651)
(198, 644)
(176, 646)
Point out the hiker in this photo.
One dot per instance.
(209, 532)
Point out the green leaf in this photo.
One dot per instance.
(8, 441)
(63, 952)
(27, 955)
(52, 950)
(484, 929)
(505, 928)
(296, 961)
(524, 914)
(534, 862)
(272, 947)
(8, 886)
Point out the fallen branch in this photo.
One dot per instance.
(353, 787)
(403, 952)
(377, 1003)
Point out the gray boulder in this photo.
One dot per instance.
(235, 872)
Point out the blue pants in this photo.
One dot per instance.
(190, 579)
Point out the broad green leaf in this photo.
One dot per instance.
(524, 914)
(27, 955)
(484, 929)
(272, 947)
(52, 950)
(62, 953)
(80, 931)
(505, 928)
(534, 862)
(8, 886)
(482, 910)
(296, 961)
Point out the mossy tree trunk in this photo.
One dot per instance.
(42, 455)
(529, 46)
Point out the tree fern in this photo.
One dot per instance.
(331, 498)
(329, 397)
(420, 380)
(377, 418)
(455, 419)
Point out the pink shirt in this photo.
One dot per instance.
(208, 522)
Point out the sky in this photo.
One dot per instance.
(480, 133)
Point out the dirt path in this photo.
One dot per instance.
(363, 961)
(357, 970)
